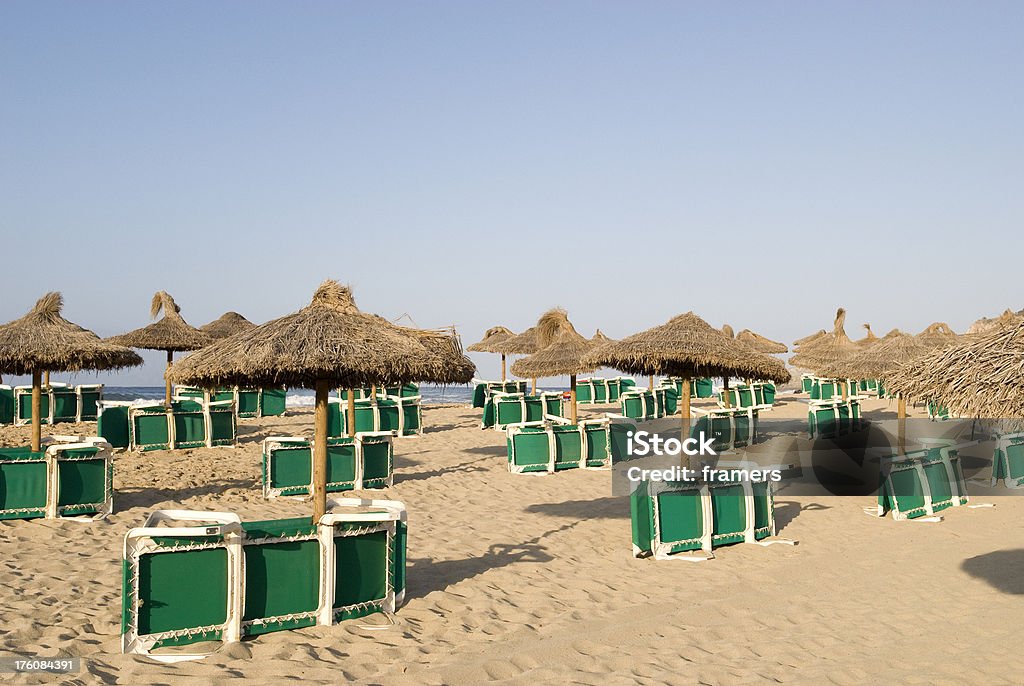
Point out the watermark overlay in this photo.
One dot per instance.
(841, 457)
(32, 664)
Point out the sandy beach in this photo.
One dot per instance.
(529, 579)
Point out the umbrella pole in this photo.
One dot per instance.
(725, 394)
(320, 450)
(350, 413)
(37, 410)
(901, 423)
(46, 378)
(650, 382)
(572, 397)
(167, 381)
(684, 410)
(503, 366)
(533, 389)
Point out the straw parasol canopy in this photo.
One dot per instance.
(561, 349)
(561, 353)
(522, 344)
(827, 350)
(599, 338)
(760, 343)
(171, 333)
(938, 335)
(728, 331)
(980, 377)
(228, 324)
(881, 359)
(43, 340)
(689, 347)
(327, 344)
(869, 338)
(893, 333)
(492, 337)
(988, 325)
(488, 344)
(811, 338)
(328, 340)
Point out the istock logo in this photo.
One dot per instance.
(643, 443)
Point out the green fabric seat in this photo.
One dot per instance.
(363, 462)
(922, 483)
(187, 424)
(67, 479)
(591, 444)
(1008, 460)
(503, 409)
(670, 519)
(218, 579)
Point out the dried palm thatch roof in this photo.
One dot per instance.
(879, 360)
(328, 340)
(561, 349)
(728, 331)
(599, 338)
(938, 335)
(827, 350)
(523, 344)
(869, 338)
(492, 337)
(689, 347)
(760, 343)
(446, 362)
(228, 324)
(811, 338)
(893, 333)
(988, 325)
(43, 340)
(980, 377)
(171, 332)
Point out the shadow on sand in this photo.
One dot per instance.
(1000, 568)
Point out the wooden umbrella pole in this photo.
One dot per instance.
(320, 450)
(37, 410)
(650, 382)
(572, 397)
(901, 424)
(46, 378)
(503, 366)
(684, 410)
(167, 381)
(842, 387)
(351, 412)
(533, 389)
(725, 394)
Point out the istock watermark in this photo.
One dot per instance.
(644, 443)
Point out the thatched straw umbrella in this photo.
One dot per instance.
(869, 338)
(561, 353)
(171, 334)
(938, 335)
(329, 343)
(728, 331)
(828, 350)
(686, 346)
(810, 339)
(979, 377)
(492, 337)
(880, 361)
(988, 325)
(228, 324)
(44, 340)
(760, 343)
(521, 344)
(600, 339)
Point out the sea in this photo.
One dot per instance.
(302, 397)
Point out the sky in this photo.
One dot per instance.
(468, 163)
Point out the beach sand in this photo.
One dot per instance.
(530, 579)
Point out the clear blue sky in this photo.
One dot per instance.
(760, 163)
